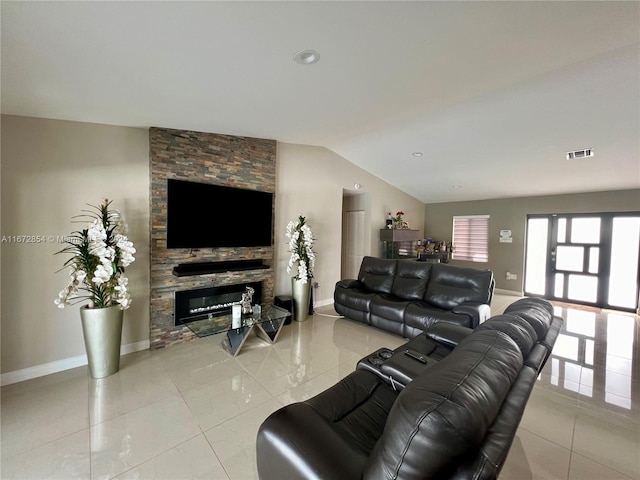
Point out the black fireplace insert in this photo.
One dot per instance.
(199, 303)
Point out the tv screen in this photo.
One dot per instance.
(201, 215)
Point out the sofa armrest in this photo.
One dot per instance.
(447, 334)
(348, 283)
(478, 312)
(296, 442)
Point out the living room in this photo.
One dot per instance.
(54, 165)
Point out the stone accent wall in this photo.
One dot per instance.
(206, 158)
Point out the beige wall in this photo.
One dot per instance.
(511, 214)
(52, 169)
(310, 181)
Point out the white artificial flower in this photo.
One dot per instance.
(96, 232)
(71, 290)
(124, 301)
(94, 267)
(80, 275)
(104, 253)
(102, 274)
(302, 272)
(63, 297)
(126, 250)
(292, 261)
(301, 249)
(122, 294)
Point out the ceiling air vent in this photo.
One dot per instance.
(587, 152)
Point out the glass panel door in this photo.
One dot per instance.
(573, 268)
(536, 255)
(623, 281)
(589, 259)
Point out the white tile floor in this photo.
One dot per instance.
(192, 411)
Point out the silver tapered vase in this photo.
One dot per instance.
(102, 331)
(301, 293)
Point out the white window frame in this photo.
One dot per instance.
(472, 240)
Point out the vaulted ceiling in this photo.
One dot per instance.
(492, 94)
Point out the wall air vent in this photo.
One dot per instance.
(587, 152)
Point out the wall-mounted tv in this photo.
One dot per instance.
(202, 215)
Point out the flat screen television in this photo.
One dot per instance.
(202, 215)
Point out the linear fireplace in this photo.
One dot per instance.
(199, 303)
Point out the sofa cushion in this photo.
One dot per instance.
(448, 334)
(389, 307)
(353, 314)
(354, 298)
(450, 286)
(446, 411)
(387, 313)
(377, 274)
(411, 279)
(357, 407)
(421, 315)
(328, 436)
(531, 302)
(487, 461)
(536, 311)
(518, 329)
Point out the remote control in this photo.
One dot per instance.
(417, 355)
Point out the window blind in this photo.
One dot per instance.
(471, 238)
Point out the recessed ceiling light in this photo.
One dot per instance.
(306, 57)
(456, 186)
(417, 154)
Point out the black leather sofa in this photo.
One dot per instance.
(405, 297)
(395, 417)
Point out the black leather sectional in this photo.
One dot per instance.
(405, 297)
(451, 413)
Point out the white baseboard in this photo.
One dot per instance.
(62, 365)
(322, 303)
(508, 292)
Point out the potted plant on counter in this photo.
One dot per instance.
(99, 254)
(302, 261)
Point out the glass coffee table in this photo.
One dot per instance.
(267, 324)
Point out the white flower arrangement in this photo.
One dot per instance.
(302, 258)
(100, 253)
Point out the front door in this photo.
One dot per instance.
(589, 259)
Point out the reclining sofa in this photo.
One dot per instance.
(406, 297)
(449, 410)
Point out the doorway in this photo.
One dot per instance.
(356, 233)
(589, 259)
(353, 243)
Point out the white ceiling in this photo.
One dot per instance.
(493, 93)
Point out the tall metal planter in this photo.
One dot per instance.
(102, 330)
(301, 293)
